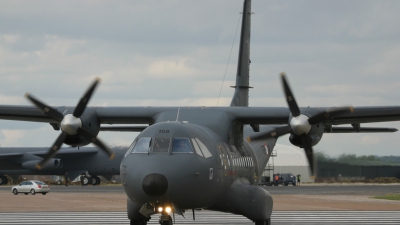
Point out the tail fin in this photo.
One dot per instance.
(241, 95)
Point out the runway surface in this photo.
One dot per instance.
(208, 217)
(314, 189)
(308, 204)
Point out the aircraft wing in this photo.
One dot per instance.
(69, 153)
(266, 115)
(23, 113)
(247, 115)
(9, 155)
(367, 115)
(64, 153)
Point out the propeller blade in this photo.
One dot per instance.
(294, 108)
(53, 150)
(47, 110)
(97, 142)
(277, 132)
(322, 116)
(309, 151)
(85, 99)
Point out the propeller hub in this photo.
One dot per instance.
(70, 124)
(300, 125)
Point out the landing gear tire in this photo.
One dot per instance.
(3, 180)
(139, 222)
(165, 220)
(33, 192)
(44, 193)
(95, 180)
(263, 222)
(26, 193)
(15, 191)
(85, 180)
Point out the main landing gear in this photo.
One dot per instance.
(93, 180)
(3, 180)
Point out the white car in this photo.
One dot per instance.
(31, 186)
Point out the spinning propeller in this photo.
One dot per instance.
(300, 124)
(70, 124)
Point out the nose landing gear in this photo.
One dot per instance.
(165, 219)
(263, 222)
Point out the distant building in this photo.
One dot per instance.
(289, 159)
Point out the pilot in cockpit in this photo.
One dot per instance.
(181, 145)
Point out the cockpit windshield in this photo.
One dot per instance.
(165, 145)
(161, 144)
(143, 145)
(181, 145)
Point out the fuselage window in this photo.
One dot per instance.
(161, 144)
(142, 146)
(181, 145)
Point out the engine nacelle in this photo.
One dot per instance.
(90, 123)
(52, 164)
(314, 135)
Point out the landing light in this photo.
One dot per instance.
(168, 209)
(160, 209)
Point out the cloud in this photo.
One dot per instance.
(169, 69)
(370, 140)
(167, 53)
(12, 137)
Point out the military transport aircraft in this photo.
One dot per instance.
(87, 160)
(200, 157)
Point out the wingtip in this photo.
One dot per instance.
(26, 94)
(38, 167)
(98, 79)
(282, 74)
(351, 109)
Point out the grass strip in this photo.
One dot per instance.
(395, 197)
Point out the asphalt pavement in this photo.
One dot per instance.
(307, 189)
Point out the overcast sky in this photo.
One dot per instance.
(175, 52)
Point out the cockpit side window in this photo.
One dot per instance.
(204, 149)
(197, 148)
(161, 144)
(142, 146)
(181, 145)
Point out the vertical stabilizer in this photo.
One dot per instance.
(241, 96)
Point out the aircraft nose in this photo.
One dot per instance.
(155, 184)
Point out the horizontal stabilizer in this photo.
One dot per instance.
(361, 130)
